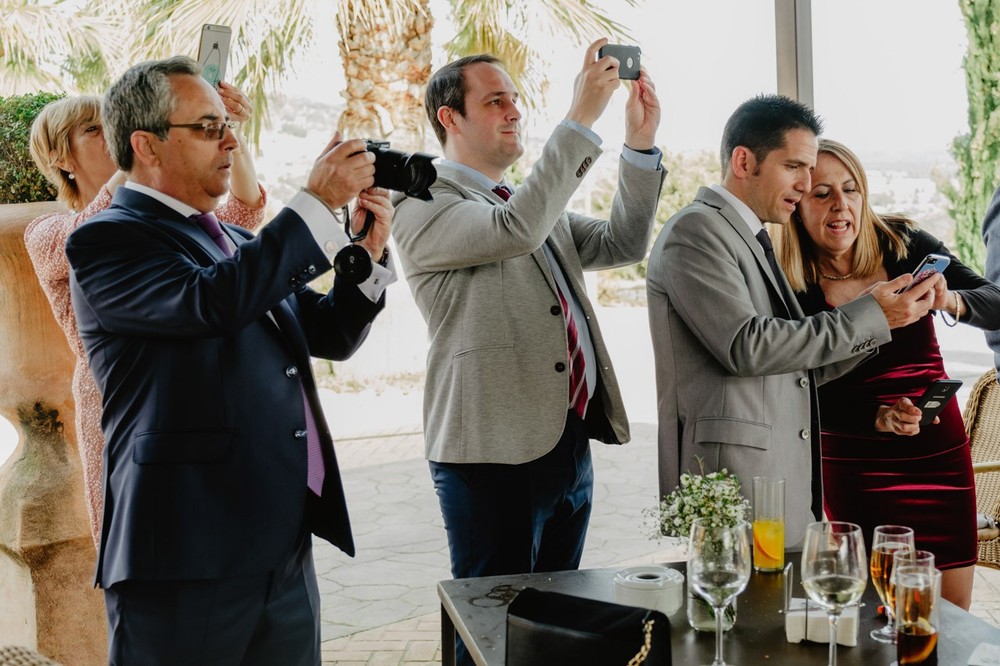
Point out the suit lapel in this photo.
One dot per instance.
(778, 286)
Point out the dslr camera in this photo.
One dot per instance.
(409, 173)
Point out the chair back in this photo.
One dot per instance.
(982, 423)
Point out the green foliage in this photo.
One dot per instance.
(20, 179)
(978, 152)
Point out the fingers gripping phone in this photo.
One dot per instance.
(213, 52)
(627, 56)
(935, 398)
(932, 263)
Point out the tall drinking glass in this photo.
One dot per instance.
(887, 542)
(768, 523)
(909, 558)
(833, 570)
(918, 600)
(718, 568)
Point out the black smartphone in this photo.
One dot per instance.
(627, 56)
(936, 397)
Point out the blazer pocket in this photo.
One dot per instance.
(733, 431)
(201, 446)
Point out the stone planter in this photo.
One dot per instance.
(46, 552)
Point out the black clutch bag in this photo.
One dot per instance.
(549, 628)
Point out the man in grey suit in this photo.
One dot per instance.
(518, 375)
(736, 361)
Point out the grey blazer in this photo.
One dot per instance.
(497, 389)
(734, 384)
(991, 237)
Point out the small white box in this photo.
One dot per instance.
(806, 620)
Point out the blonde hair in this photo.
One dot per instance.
(876, 233)
(50, 141)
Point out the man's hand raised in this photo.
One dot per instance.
(342, 171)
(593, 87)
(907, 307)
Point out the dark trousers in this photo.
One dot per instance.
(506, 519)
(264, 619)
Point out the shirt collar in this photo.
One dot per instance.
(165, 199)
(747, 215)
(478, 176)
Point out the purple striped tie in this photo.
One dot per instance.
(316, 470)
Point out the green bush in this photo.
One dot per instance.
(20, 179)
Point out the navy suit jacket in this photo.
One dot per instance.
(205, 460)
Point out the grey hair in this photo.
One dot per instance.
(142, 99)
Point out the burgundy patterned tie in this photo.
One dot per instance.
(315, 470)
(577, 368)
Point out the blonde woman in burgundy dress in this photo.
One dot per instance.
(879, 465)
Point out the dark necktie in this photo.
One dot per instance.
(817, 470)
(316, 471)
(765, 242)
(210, 223)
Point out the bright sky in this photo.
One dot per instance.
(888, 73)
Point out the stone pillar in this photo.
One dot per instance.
(46, 552)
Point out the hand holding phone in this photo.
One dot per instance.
(935, 398)
(627, 56)
(213, 52)
(932, 263)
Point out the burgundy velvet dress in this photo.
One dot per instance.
(924, 481)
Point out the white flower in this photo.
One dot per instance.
(715, 495)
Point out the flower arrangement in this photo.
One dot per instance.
(715, 496)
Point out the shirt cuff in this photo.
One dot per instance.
(381, 277)
(323, 225)
(642, 160)
(585, 131)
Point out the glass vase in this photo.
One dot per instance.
(701, 616)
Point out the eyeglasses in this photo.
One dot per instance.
(214, 129)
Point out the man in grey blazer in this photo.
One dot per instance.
(499, 281)
(736, 361)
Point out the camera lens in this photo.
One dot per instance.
(409, 173)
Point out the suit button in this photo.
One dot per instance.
(300, 434)
(560, 367)
(804, 382)
(295, 283)
(804, 434)
(312, 270)
(555, 310)
(291, 371)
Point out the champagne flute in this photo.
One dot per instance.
(718, 567)
(833, 570)
(887, 542)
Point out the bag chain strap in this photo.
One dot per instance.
(640, 657)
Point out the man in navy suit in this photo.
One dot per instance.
(218, 462)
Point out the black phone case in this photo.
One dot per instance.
(936, 397)
(628, 59)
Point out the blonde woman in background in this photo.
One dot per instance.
(67, 144)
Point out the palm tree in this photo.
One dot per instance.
(38, 40)
(385, 46)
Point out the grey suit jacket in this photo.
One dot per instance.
(733, 381)
(497, 389)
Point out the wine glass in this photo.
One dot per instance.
(887, 542)
(833, 570)
(718, 567)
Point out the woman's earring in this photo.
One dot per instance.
(69, 174)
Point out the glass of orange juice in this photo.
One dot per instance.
(768, 523)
